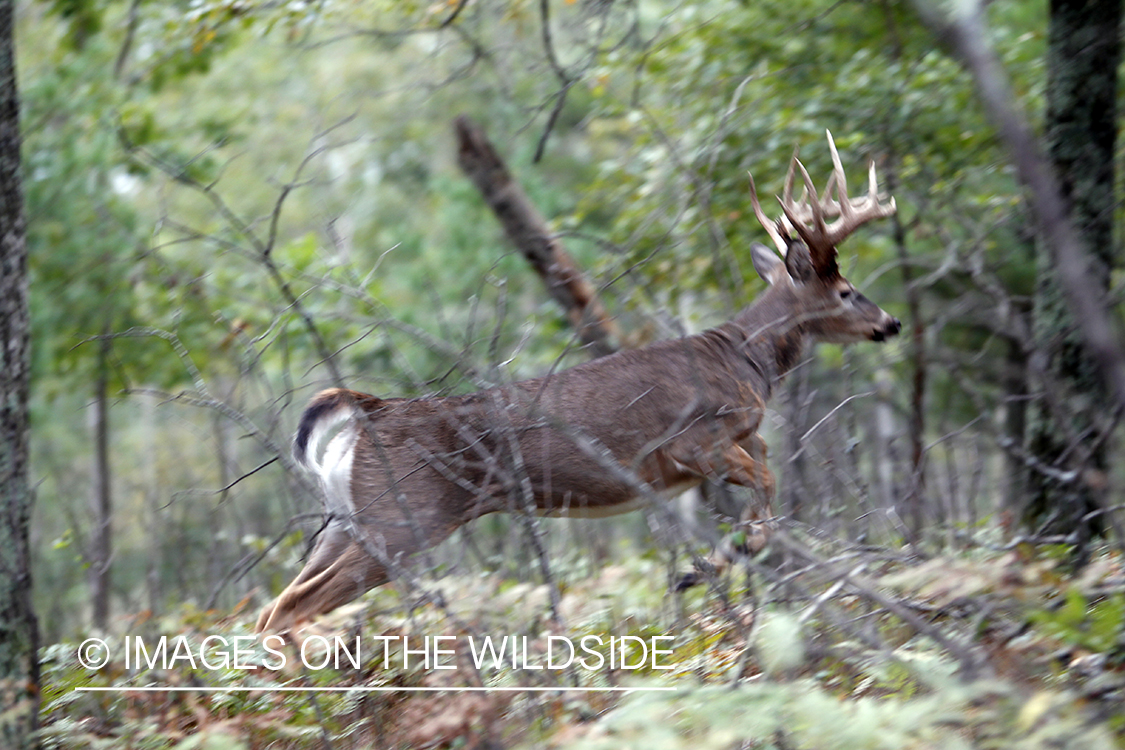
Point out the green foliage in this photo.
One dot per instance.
(91, 272)
(1098, 625)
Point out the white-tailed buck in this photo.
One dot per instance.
(400, 475)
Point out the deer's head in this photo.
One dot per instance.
(804, 270)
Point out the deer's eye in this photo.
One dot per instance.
(845, 293)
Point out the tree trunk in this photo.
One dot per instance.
(794, 489)
(911, 507)
(19, 630)
(219, 520)
(885, 454)
(101, 541)
(528, 231)
(916, 520)
(153, 514)
(1015, 391)
(1084, 47)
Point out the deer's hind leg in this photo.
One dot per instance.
(350, 559)
(338, 570)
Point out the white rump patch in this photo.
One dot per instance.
(331, 451)
(321, 436)
(336, 470)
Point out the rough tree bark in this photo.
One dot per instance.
(19, 630)
(528, 231)
(1084, 48)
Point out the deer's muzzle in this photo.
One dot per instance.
(888, 329)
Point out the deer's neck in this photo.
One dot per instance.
(772, 335)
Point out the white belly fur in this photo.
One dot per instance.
(604, 511)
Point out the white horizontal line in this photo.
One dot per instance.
(366, 689)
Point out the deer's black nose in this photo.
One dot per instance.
(890, 329)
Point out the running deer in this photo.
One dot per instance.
(400, 475)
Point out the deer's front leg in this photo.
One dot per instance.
(747, 468)
(743, 464)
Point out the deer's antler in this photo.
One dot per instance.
(774, 229)
(809, 217)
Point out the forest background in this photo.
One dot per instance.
(231, 205)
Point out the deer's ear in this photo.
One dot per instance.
(798, 262)
(767, 263)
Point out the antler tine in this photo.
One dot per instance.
(840, 178)
(831, 207)
(855, 213)
(787, 191)
(769, 226)
(873, 192)
(812, 200)
(807, 217)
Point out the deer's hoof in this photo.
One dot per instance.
(687, 580)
